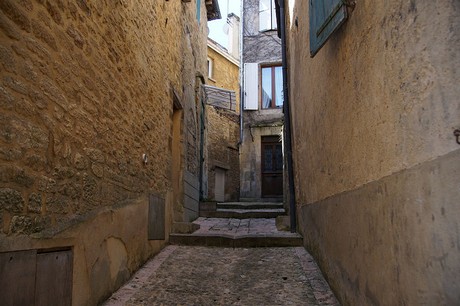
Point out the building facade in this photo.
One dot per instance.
(376, 162)
(100, 140)
(221, 165)
(261, 157)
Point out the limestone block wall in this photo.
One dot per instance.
(376, 162)
(86, 89)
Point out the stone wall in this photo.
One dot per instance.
(222, 139)
(222, 132)
(85, 90)
(376, 162)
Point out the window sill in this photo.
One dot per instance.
(268, 30)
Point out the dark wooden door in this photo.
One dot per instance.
(272, 167)
(36, 278)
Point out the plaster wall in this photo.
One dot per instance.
(264, 122)
(376, 162)
(86, 88)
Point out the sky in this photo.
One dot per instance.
(216, 27)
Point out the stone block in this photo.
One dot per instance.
(283, 223)
(15, 14)
(7, 59)
(57, 203)
(28, 224)
(208, 206)
(185, 227)
(21, 225)
(11, 200)
(12, 174)
(43, 34)
(35, 203)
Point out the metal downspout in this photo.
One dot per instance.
(202, 128)
(287, 121)
(241, 74)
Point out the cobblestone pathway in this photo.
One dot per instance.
(182, 275)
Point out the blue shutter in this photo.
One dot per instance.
(198, 10)
(326, 16)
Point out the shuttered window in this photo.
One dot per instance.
(326, 16)
(251, 86)
(267, 15)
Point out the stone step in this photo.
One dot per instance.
(235, 242)
(231, 232)
(243, 213)
(250, 205)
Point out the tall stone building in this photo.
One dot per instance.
(99, 140)
(376, 161)
(221, 162)
(261, 157)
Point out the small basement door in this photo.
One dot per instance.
(219, 188)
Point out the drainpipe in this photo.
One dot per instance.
(287, 121)
(202, 128)
(241, 73)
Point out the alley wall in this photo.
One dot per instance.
(87, 88)
(377, 167)
(222, 133)
(223, 136)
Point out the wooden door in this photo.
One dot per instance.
(36, 278)
(272, 167)
(219, 188)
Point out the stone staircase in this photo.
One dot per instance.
(245, 210)
(239, 224)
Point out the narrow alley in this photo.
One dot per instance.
(223, 275)
(229, 152)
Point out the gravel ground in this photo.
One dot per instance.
(182, 275)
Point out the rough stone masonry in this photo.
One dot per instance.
(86, 89)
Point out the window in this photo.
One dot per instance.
(326, 16)
(210, 68)
(272, 87)
(267, 15)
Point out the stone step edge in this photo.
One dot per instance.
(249, 206)
(235, 242)
(241, 215)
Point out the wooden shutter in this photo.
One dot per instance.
(326, 16)
(251, 86)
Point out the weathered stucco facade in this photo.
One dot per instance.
(225, 71)
(263, 49)
(377, 167)
(87, 88)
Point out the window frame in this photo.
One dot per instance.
(273, 105)
(210, 62)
